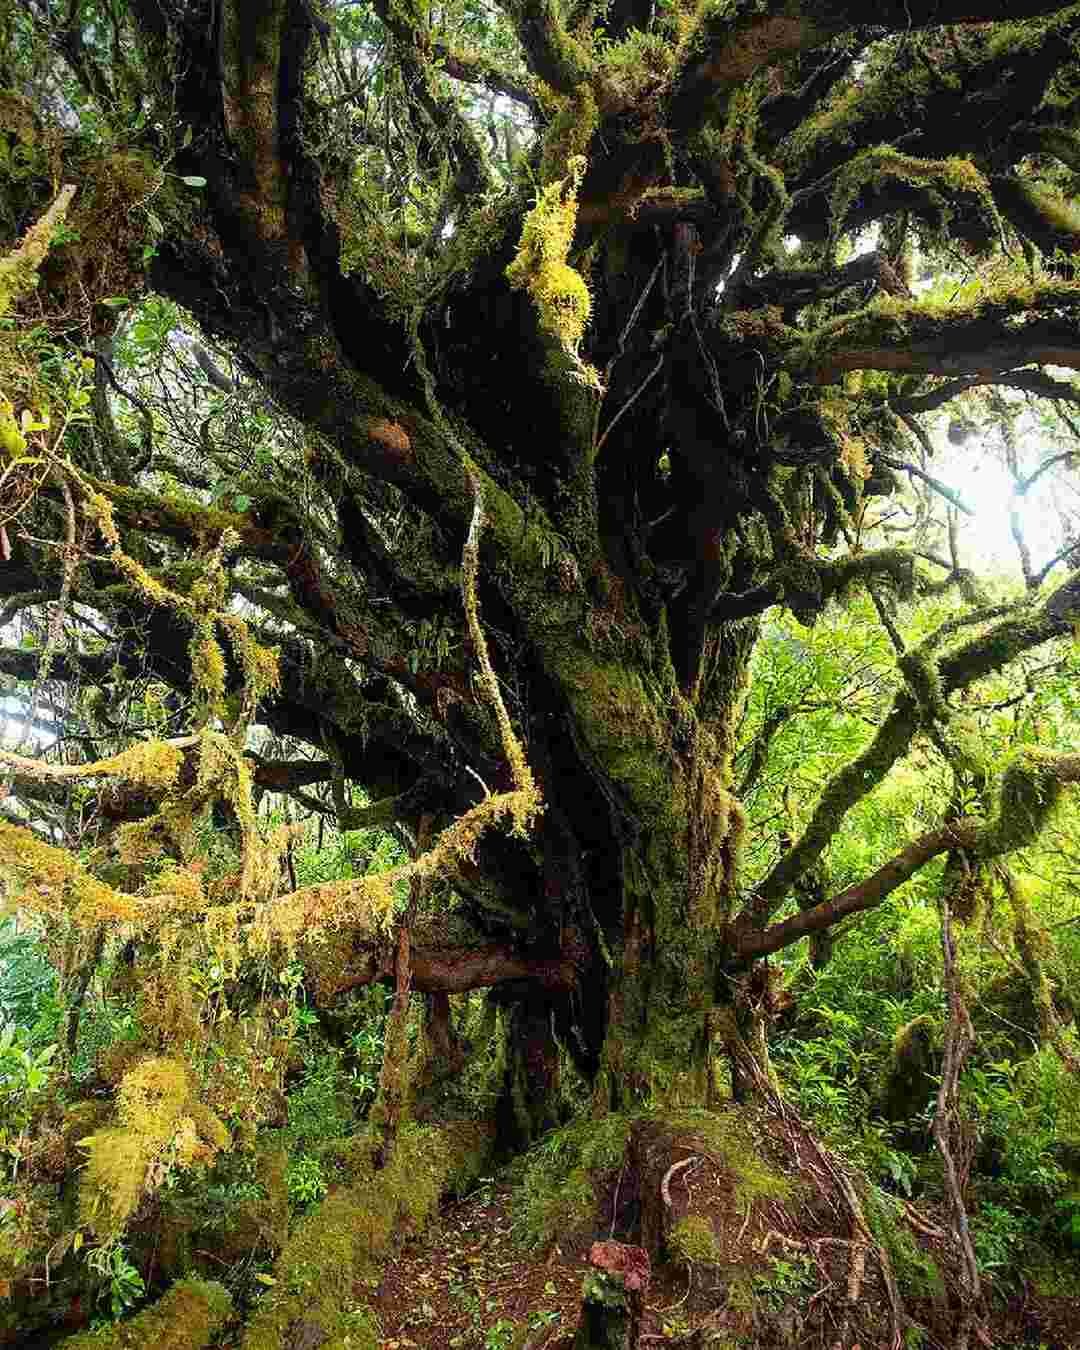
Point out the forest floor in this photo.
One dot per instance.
(465, 1284)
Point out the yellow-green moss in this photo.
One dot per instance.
(341, 1242)
(160, 1125)
(560, 293)
(19, 268)
(692, 1241)
(951, 176)
(185, 1318)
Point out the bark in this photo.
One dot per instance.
(527, 1106)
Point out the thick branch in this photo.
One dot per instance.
(456, 970)
(866, 894)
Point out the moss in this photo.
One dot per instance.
(692, 1241)
(185, 1318)
(50, 881)
(19, 268)
(1030, 790)
(560, 293)
(564, 1178)
(617, 723)
(568, 135)
(159, 1126)
(924, 680)
(848, 786)
(730, 1137)
(1040, 211)
(908, 1079)
(341, 1242)
(917, 1273)
(630, 67)
(954, 176)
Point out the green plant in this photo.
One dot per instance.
(501, 1335)
(998, 1235)
(305, 1180)
(786, 1281)
(24, 1077)
(122, 1285)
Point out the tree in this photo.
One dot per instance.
(503, 370)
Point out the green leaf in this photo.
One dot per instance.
(241, 502)
(116, 301)
(194, 180)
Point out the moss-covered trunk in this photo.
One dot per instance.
(663, 881)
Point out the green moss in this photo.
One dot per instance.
(924, 680)
(945, 179)
(564, 1177)
(1039, 210)
(185, 1318)
(908, 1081)
(692, 1241)
(730, 1137)
(569, 134)
(633, 65)
(917, 1273)
(341, 1242)
(1030, 790)
(617, 723)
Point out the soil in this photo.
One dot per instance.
(459, 1284)
(466, 1284)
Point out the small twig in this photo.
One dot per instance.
(905, 466)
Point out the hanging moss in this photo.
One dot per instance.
(159, 1125)
(909, 1076)
(185, 1318)
(1030, 790)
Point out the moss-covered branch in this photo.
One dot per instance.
(751, 944)
(551, 53)
(475, 68)
(187, 1317)
(1031, 788)
(340, 1244)
(1024, 629)
(1015, 324)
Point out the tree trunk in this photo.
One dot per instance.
(613, 1299)
(528, 1104)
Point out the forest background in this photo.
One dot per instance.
(539, 643)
